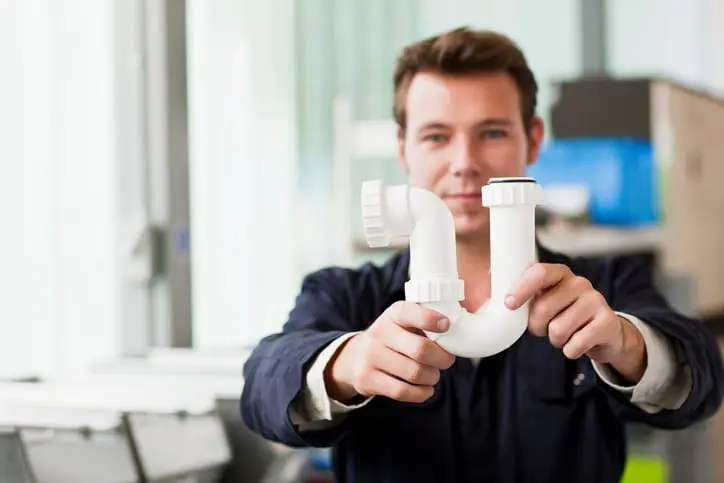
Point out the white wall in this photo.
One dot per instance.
(677, 39)
(659, 37)
(242, 125)
(58, 284)
(713, 45)
(547, 32)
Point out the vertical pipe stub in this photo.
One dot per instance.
(512, 203)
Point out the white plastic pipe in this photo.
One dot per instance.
(403, 211)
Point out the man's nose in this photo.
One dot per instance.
(464, 161)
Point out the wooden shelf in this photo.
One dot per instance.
(601, 241)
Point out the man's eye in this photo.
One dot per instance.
(494, 133)
(435, 138)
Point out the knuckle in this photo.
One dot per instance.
(397, 305)
(398, 391)
(582, 284)
(556, 329)
(600, 324)
(442, 359)
(368, 347)
(393, 311)
(372, 351)
(538, 328)
(418, 349)
(427, 394)
(448, 361)
(434, 377)
(365, 375)
(416, 373)
(557, 334)
(598, 298)
(420, 395)
(593, 301)
(538, 272)
(542, 311)
(537, 310)
(378, 327)
(571, 351)
(563, 268)
(364, 380)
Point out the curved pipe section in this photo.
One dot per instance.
(403, 211)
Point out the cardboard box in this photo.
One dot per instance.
(686, 128)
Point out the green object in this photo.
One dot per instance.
(645, 469)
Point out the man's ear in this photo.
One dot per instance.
(535, 139)
(401, 149)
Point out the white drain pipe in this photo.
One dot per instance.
(404, 211)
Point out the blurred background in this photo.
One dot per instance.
(171, 169)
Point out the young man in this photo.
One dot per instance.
(352, 369)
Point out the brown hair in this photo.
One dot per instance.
(465, 51)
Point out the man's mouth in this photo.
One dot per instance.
(468, 197)
(465, 196)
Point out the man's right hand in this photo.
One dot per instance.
(392, 358)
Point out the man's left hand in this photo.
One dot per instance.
(577, 319)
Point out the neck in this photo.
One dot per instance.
(474, 268)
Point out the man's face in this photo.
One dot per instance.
(462, 131)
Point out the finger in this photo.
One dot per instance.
(415, 316)
(572, 319)
(400, 366)
(538, 277)
(382, 384)
(591, 335)
(544, 308)
(418, 348)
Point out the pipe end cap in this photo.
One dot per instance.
(373, 214)
(512, 192)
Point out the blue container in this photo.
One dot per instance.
(620, 174)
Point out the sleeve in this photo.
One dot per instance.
(315, 409)
(665, 384)
(696, 355)
(275, 374)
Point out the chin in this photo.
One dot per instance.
(472, 229)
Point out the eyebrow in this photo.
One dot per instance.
(490, 122)
(495, 121)
(428, 126)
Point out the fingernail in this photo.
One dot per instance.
(443, 324)
(510, 301)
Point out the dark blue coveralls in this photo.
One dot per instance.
(525, 415)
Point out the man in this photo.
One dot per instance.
(352, 368)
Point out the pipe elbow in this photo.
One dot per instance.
(480, 334)
(432, 241)
(424, 205)
(407, 209)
